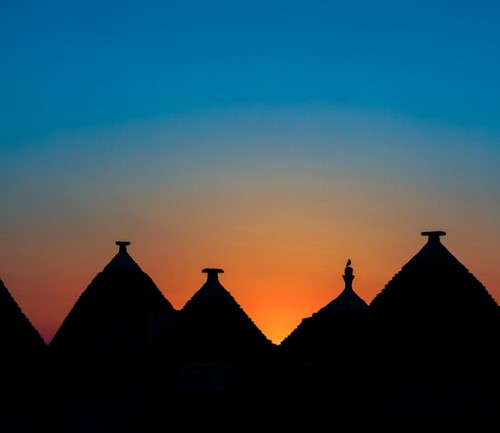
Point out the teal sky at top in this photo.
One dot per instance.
(74, 64)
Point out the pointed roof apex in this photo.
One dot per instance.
(433, 252)
(212, 287)
(348, 300)
(122, 259)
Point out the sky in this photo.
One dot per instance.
(271, 139)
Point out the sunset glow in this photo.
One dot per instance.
(274, 141)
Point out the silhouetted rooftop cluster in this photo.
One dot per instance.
(124, 360)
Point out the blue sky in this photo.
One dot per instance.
(77, 64)
(245, 126)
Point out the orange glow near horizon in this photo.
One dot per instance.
(279, 199)
(276, 290)
(275, 154)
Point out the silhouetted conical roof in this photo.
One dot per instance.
(111, 323)
(348, 300)
(213, 325)
(207, 355)
(22, 368)
(123, 260)
(435, 329)
(333, 326)
(434, 282)
(327, 354)
(18, 335)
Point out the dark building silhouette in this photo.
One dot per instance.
(23, 365)
(326, 356)
(435, 338)
(99, 352)
(317, 335)
(207, 358)
(124, 360)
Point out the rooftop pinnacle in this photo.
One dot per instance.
(122, 246)
(348, 275)
(212, 273)
(434, 235)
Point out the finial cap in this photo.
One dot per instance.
(348, 268)
(212, 271)
(434, 235)
(122, 245)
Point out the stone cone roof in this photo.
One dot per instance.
(110, 326)
(212, 325)
(326, 355)
(123, 260)
(209, 354)
(435, 322)
(334, 327)
(18, 335)
(436, 284)
(23, 363)
(348, 301)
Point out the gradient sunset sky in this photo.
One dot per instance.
(272, 139)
